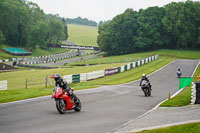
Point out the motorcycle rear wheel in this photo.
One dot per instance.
(61, 106)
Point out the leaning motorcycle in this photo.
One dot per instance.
(64, 102)
(146, 88)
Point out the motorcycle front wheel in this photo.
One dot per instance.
(149, 92)
(78, 106)
(145, 90)
(61, 106)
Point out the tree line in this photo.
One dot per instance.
(81, 21)
(174, 26)
(24, 24)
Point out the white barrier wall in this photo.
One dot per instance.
(83, 77)
(3, 85)
(142, 62)
(153, 57)
(146, 60)
(122, 68)
(149, 58)
(95, 74)
(138, 63)
(133, 64)
(128, 66)
(68, 78)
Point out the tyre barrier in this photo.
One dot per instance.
(195, 93)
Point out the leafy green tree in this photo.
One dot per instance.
(56, 31)
(38, 34)
(118, 33)
(2, 39)
(149, 34)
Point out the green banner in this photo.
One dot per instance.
(183, 82)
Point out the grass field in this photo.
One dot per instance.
(82, 35)
(186, 128)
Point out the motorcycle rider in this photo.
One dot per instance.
(179, 71)
(145, 78)
(63, 83)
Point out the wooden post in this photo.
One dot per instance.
(26, 85)
(169, 97)
(46, 81)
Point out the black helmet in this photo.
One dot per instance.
(57, 77)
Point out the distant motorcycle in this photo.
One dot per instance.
(179, 73)
(64, 101)
(146, 88)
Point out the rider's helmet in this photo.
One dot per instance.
(57, 77)
(179, 68)
(143, 75)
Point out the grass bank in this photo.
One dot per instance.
(82, 35)
(186, 128)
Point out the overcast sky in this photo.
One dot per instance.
(96, 9)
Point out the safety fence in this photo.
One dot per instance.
(3, 85)
(39, 81)
(74, 78)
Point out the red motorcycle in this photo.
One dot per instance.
(64, 101)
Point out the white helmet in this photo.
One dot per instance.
(143, 75)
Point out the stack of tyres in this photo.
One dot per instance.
(197, 92)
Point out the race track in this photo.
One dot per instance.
(104, 109)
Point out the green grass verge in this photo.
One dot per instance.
(185, 128)
(82, 35)
(184, 98)
(17, 79)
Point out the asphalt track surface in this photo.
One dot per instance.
(104, 109)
